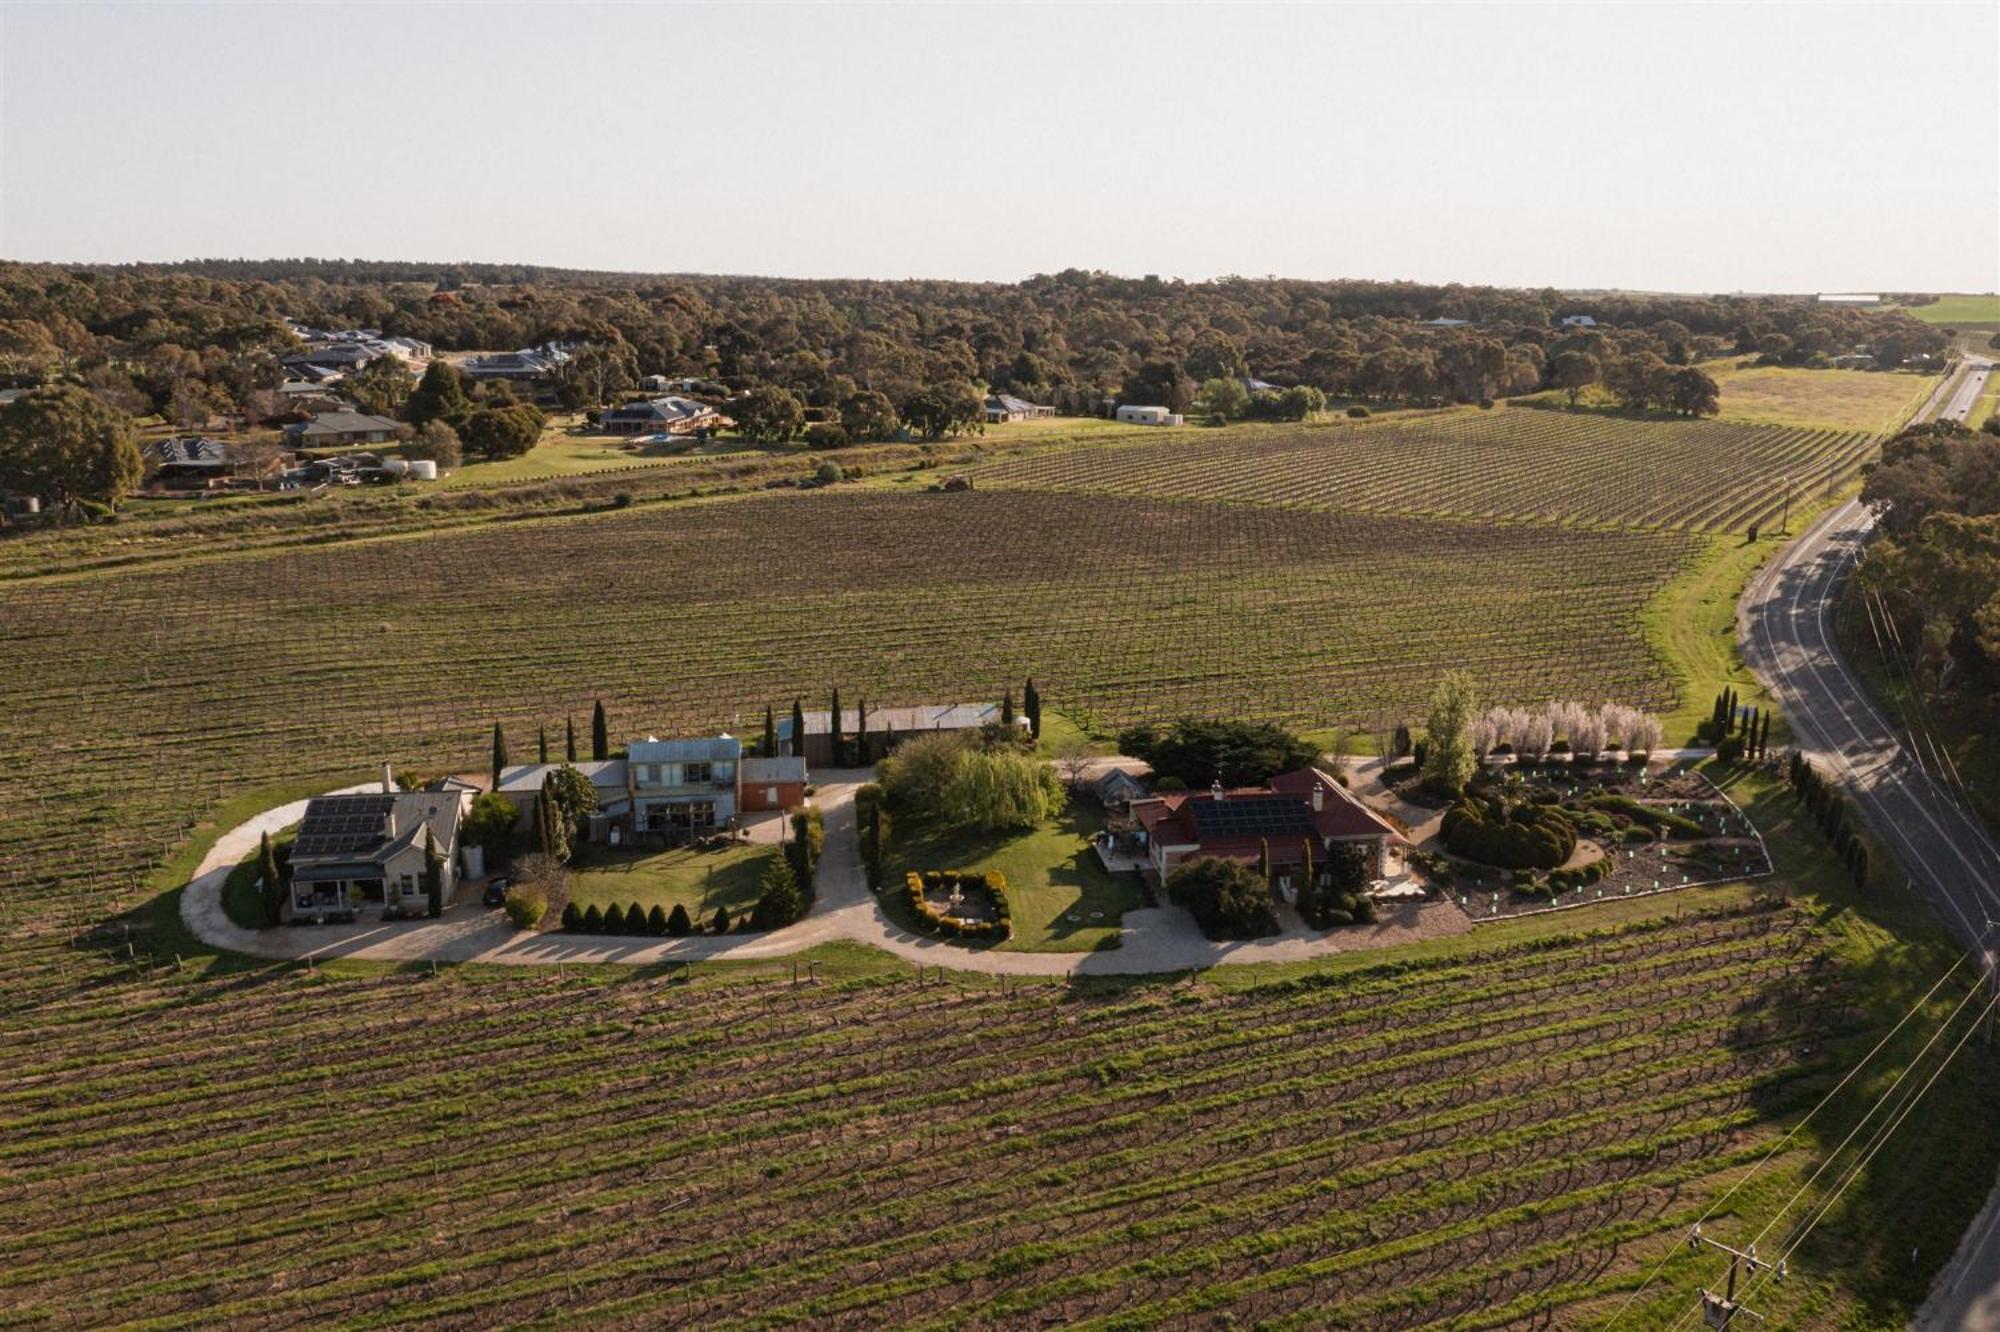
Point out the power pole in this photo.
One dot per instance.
(1719, 1311)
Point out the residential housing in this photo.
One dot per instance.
(337, 430)
(666, 415)
(1579, 321)
(191, 462)
(526, 364)
(610, 778)
(885, 726)
(1289, 811)
(369, 849)
(683, 789)
(1006, 407)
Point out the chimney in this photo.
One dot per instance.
(1215, 789)
(389, 823)
(1319, 797)
(388, 782)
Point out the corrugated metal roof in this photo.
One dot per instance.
(784, 768)
(712, 749)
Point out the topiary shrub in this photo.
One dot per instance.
(635, 919)
(572, 919)
(677, 924)
(525, 907)
(1521, 835)
(1358, 413)
(657, 921)
(593, 920)
(1228, 900)
(721, 922)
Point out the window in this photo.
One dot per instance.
(693, 773)
(770, 795)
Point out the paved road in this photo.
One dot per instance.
(1965, 391)
(1785, 624)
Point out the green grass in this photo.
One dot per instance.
(1959, 309)
(560, 453)
(241, 901)
(1871, 400)
(699, 880)
(1063, 900)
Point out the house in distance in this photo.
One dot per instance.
(369, 849)
(1284, 814)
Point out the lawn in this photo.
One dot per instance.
(1063, 900)
(1958, 309)
(699, 880)
(1872, 400)
(241, 901)
(559, 453)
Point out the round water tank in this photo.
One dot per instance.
(395, 466)
(424, 469)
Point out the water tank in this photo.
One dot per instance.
(424, 469)
(395, 466)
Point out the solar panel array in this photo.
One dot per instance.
(340, 825)
(1251, 816)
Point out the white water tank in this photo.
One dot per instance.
(424, 469)
(395, 466)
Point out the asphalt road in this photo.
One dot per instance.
(1897, 779)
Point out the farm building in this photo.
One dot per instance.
(610, 778)
(667, 415)
(1579, 321)
(885, 726)
(681, 789)
(772, 783)
(1289, 811)
(1857, 299)
(337, 430)
(1006, 407)
(369, 849)
(1159, 416)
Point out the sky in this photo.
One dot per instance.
(1670, 147)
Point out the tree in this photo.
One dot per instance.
(571, 799)
(779, 901)
(439, 396)
(1031, 707)
(835, 732)
(272, 881)
(1448, 758)
(489, 825)
(770, 748)
(951, 407)
(1007, 708)
(437, 442)
(721, 922)
(1692, 393)
(1199, 751)
(768, 415)
(541, 744)
(1572, 372)
(678, 923)
(1227, 899)
(433, 874)
(949, 780)
(502, 432)
(1158, 384)
(1215, 355)
(600, 733)
(382, 386)
(1225, 398)
(595, 373)
(569, 739)
(1641, 381)
(499, 755)
(798, 729)
(868, 415)
(64, 445)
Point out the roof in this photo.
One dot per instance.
(1114, 779)
(603, 773)
(1341, 814)
(1580, 321)
(351, 828)
(707, 749)
(931, 717)
(192, 451)
(784, 769)
(344, 423)
(1279, 812)
(1443, 322)
(1007, 402)
(667, 410)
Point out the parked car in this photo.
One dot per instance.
(496, 891)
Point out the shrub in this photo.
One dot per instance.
(614, 920)
(526, 907)
(572, 919)
(1228, 900)
(779, 901)
(955, 781)
(635, 919)
(1526, 835)
(677, 924)
(992, 883)
(721, 923)
(1358, 413)
(593, 920)
(1201, 750)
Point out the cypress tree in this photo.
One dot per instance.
(1764, 739)
(1031, 706)
(1308, 892)
(433, 874)
(569, 739)
(572, 919)
(677, 924)
(861, 733)
(770, 733)
(274, 884)
(1007, 708)
(499, 754)
(600, 733)
(593, 919)
(721, 923)
(542, 744)
(1264, 858)
(834, 731)
(798, 729)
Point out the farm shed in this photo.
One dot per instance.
(773, 783)
(1158, 416)
(885, 727)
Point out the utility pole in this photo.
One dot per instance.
(1719, 1311)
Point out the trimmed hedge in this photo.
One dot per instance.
(1523, 836)
(993, 882)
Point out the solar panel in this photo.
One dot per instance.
(1251, 816)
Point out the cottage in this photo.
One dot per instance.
(1289, 811)
(667, 415)
(1158, 416)
(1006, 407)
(339, 429)
(682, 789)
(190, 463)
(610, 778)
(885, 726)
(370, 849)
(772, 783)
(527, 364)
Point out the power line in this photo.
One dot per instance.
(1777, 1146)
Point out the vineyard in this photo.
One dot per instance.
(1465, 1141)
(242, 673)
(1511, 464)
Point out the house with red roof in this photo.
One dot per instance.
(1285, 814)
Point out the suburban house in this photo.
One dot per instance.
(771, 783)
(667, 415)
(344, 357)
(1285, 814)
(1159, 416)
(681, 789)
(369, 849)
(189, 463)
(1007, 407)
(527, 363)
(610, 778)
(885, 726)
(339, 429)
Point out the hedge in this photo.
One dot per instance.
(994, 883)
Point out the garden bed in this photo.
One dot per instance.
(960, 904)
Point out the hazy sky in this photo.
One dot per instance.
(1800, 147)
